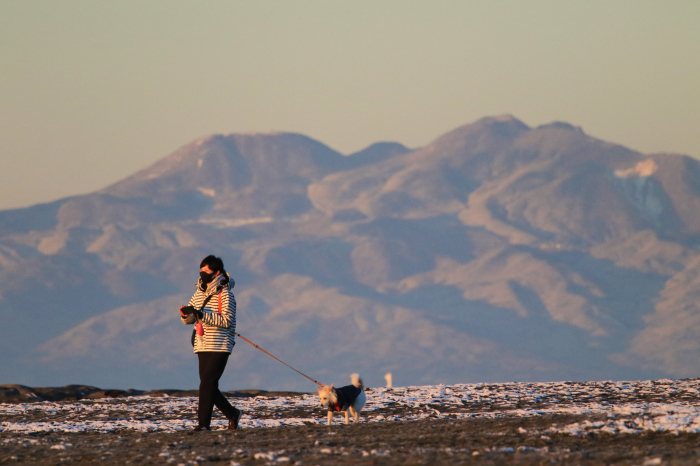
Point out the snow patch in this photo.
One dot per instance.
(644, 168)
(629, 414)
(643, 192)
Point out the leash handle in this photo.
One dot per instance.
(314, 381)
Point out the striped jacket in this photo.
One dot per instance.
(219, 328)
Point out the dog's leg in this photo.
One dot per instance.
(353, 412)
(359, 404)
(330, 415)
(346, 417)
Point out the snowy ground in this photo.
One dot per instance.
(625, 407)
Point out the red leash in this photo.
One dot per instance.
(314, 381)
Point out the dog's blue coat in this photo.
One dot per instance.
(346, 396)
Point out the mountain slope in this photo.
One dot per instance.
(497, 252)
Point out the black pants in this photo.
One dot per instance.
(211, 368)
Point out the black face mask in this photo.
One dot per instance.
(206, 277)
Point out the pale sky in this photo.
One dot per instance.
(91, 91)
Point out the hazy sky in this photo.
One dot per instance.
(91, 91)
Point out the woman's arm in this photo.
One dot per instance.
(188, 319)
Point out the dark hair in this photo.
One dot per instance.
(214, 263)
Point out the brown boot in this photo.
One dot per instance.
(233, 422)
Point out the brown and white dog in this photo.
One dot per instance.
(349, 398)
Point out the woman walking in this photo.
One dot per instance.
(212, 310)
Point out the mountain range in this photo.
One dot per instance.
(498, 252)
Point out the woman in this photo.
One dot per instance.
(213, 311)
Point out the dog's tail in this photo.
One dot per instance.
(356, 381)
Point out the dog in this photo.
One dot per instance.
(350, 398)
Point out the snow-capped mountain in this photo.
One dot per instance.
(498, 252)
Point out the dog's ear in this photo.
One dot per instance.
(331, 386)
(319, 388)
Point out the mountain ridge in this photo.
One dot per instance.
(496, 252)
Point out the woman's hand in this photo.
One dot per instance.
(186, 310)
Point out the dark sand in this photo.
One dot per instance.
(470, 441)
